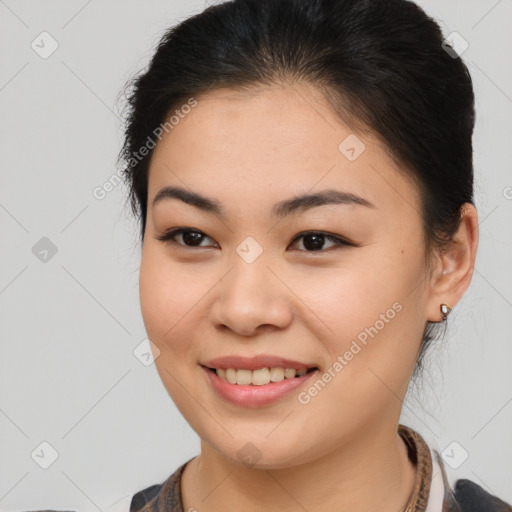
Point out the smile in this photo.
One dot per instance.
(233, 385)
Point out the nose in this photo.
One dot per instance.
(251, 298)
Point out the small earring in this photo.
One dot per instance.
(445, 311)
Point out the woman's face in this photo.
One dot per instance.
(248, 285)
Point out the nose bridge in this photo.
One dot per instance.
(250, 294)
(250, 278)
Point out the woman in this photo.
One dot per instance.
(302, 171)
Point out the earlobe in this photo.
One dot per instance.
(455, 264)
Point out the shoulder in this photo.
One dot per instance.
(472, 498)
(144, 496)
(466, 495)
(157, 497)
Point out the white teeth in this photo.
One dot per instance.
(230, 375)
(289, 373)
(258, 377)
(276, 374)
(243, 376)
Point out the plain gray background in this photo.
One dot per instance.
(70, 321)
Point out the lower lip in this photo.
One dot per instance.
(252, 395)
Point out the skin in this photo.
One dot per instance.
(341, 451)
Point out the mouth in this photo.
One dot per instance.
(259, 377)
(255, 388)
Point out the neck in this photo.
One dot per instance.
(369, 472)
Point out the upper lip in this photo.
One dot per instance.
(255, 362)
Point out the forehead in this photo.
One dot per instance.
(272, 141)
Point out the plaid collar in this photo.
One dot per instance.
(431, 491)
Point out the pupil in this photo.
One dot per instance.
(191, 236)
(318, 241)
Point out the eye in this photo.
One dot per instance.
(190, 237)
(314, 240)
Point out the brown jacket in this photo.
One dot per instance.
(466, 495)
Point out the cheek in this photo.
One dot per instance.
(170, 297)
(346, 299)
(170, 305)
(366, 311)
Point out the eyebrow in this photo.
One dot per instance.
(279, 210)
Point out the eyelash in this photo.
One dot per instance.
(168, 236)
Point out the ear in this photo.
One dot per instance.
(454, 264)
